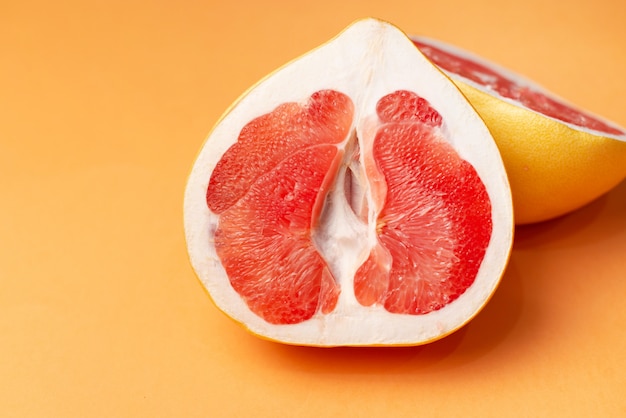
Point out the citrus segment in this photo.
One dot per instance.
(264, 240)
(269, 188)
(266, 140)
(436, 220)
(406, 106)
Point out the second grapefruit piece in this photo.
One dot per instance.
(558, 157)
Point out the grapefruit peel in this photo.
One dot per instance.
(368, 61)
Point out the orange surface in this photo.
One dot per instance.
(103, 106)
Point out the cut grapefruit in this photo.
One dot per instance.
(558, 157)
(348, 200)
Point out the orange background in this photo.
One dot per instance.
(103, 106)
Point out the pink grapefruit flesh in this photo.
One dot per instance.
(270, 187)
(270, 138)
(436, 220)
(535, 100)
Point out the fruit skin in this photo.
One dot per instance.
(553, 169)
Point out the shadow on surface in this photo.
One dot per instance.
(594, 222)
(470, 342)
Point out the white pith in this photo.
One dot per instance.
(341, 238)
(367, 61)
(520, 81)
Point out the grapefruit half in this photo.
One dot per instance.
(558, 157)
(347, 199)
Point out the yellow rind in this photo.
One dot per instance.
(553, 169)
